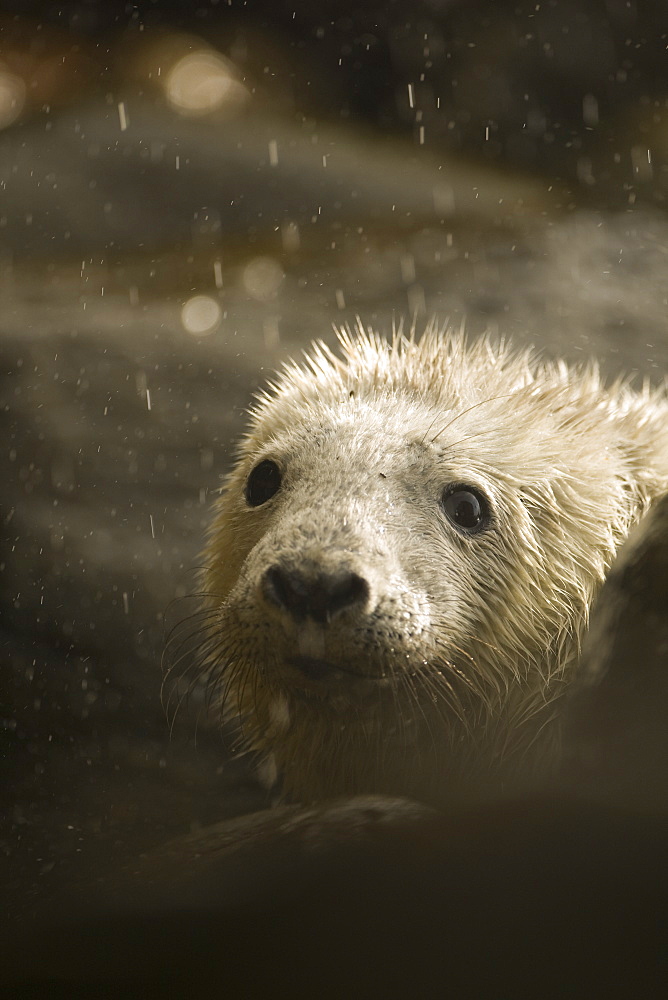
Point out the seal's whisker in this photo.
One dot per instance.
(190, 639)
(199, 618)
(224, 663)
(175, 674)
(195, 622)
(241, 698)
(412, 689)
(477, 680)
(439, 686)
(234, 669)
(196, 640)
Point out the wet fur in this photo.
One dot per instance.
(467, 642)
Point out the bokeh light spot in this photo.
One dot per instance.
(201, 82)
(12, 97)
(200, 315)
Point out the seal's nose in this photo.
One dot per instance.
(318, 594)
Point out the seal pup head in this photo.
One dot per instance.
(403, 558)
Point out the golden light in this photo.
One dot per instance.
(200, 315)
(202, 82)
(12, 96)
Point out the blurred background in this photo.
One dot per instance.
(191, 192)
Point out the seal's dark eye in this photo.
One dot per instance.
(262, 483)
(466, 507)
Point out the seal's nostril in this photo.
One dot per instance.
(319, 595)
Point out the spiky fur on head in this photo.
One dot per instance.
(466, 642)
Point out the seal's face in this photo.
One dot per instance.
(401, 569)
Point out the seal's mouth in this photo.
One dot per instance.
(315, 669)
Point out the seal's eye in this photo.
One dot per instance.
(262, 483)
(466, 507)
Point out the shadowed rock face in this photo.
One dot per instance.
(617, 743)
(374, 896)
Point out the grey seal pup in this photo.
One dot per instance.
(403, 559)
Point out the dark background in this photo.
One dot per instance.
(486, 160)
(564, 87)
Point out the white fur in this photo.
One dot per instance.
(466, 643)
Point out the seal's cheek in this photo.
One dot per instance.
(230, 552)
